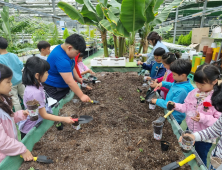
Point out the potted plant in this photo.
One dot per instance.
(206, 106)
(32, 107)
(59, 126)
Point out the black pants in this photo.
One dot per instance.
(22, 135)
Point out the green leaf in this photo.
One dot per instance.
(116, 4)
(99, 11)
(165, 12)
(140, 149)
(91, 15)
(90, 22)
(104, 2)
(157, 5)
(120, 28)
(89, 6)
(80, 1)
(114, 10)
(112, 17)
(120, 98)
(149, 14)
(106, 24)
(148, 2)
(161, 30)
(71, 11)
(132, 14)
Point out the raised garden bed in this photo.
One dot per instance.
(119, 137)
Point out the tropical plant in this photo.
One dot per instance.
(89, 15)
(92, 33)
(185, 40)
(65, 34)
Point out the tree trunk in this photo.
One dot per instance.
(121, 46)
(104, 40)
(115, 45)
(145, 46)
(131, 53)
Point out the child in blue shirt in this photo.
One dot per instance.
(179, 89)
(156, 67)
(12, 61)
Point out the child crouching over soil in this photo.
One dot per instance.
(213, 131)
(34, 74)
(156, 67)
(199, 116)
(167, 59)
(81, 68)
(9, 144)
(179, 89)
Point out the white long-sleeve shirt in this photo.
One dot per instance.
(212, 132)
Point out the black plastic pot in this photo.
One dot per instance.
(164, 145)
(94, 81)
(170, 106)
(59, 127)
(142, 101)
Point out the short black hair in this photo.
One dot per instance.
(169, 57)
(159, 51)
(77, 42)
(34, 65)
(81, 55)
(43, 45)
(206, 73)
(3, 43)
(181, 66)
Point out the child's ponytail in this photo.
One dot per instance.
(217, 96)
(169, 57)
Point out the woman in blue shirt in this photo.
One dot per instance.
(155, 40)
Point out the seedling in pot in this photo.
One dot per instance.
(139, 90)
(59, 126)
(32, 107)
(157, 130)
(187, 142)
(142, 99)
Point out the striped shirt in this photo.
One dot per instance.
(212, 132)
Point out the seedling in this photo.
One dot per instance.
(31, 168)
(58, 124)
(140, 149)
(120, 98)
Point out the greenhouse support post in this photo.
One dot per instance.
(53, 6)
(203, 16)
(175, 26)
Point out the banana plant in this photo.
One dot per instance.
(89, 15)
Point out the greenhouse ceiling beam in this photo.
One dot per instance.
(199, 14)
(175, 27)
(26, 9)
(203, 16)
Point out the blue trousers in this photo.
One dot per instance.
(202, 149)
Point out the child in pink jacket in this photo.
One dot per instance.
(167, 59)
(200, 114)
(9, 144)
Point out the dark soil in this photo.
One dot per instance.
(187, 138)
(170, 106)
(32, 105)
(119, 137)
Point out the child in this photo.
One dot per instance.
(44, 48)
(156, 67)
(12, 61)
(82, 67)
(178, 90)
(197, 117)
(9, 144)
(167, 59)
(215, 130)
(35, 73)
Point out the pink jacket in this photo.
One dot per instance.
(9, 144)
(168, 79)
(207, 118)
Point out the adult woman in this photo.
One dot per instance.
(155, 40)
